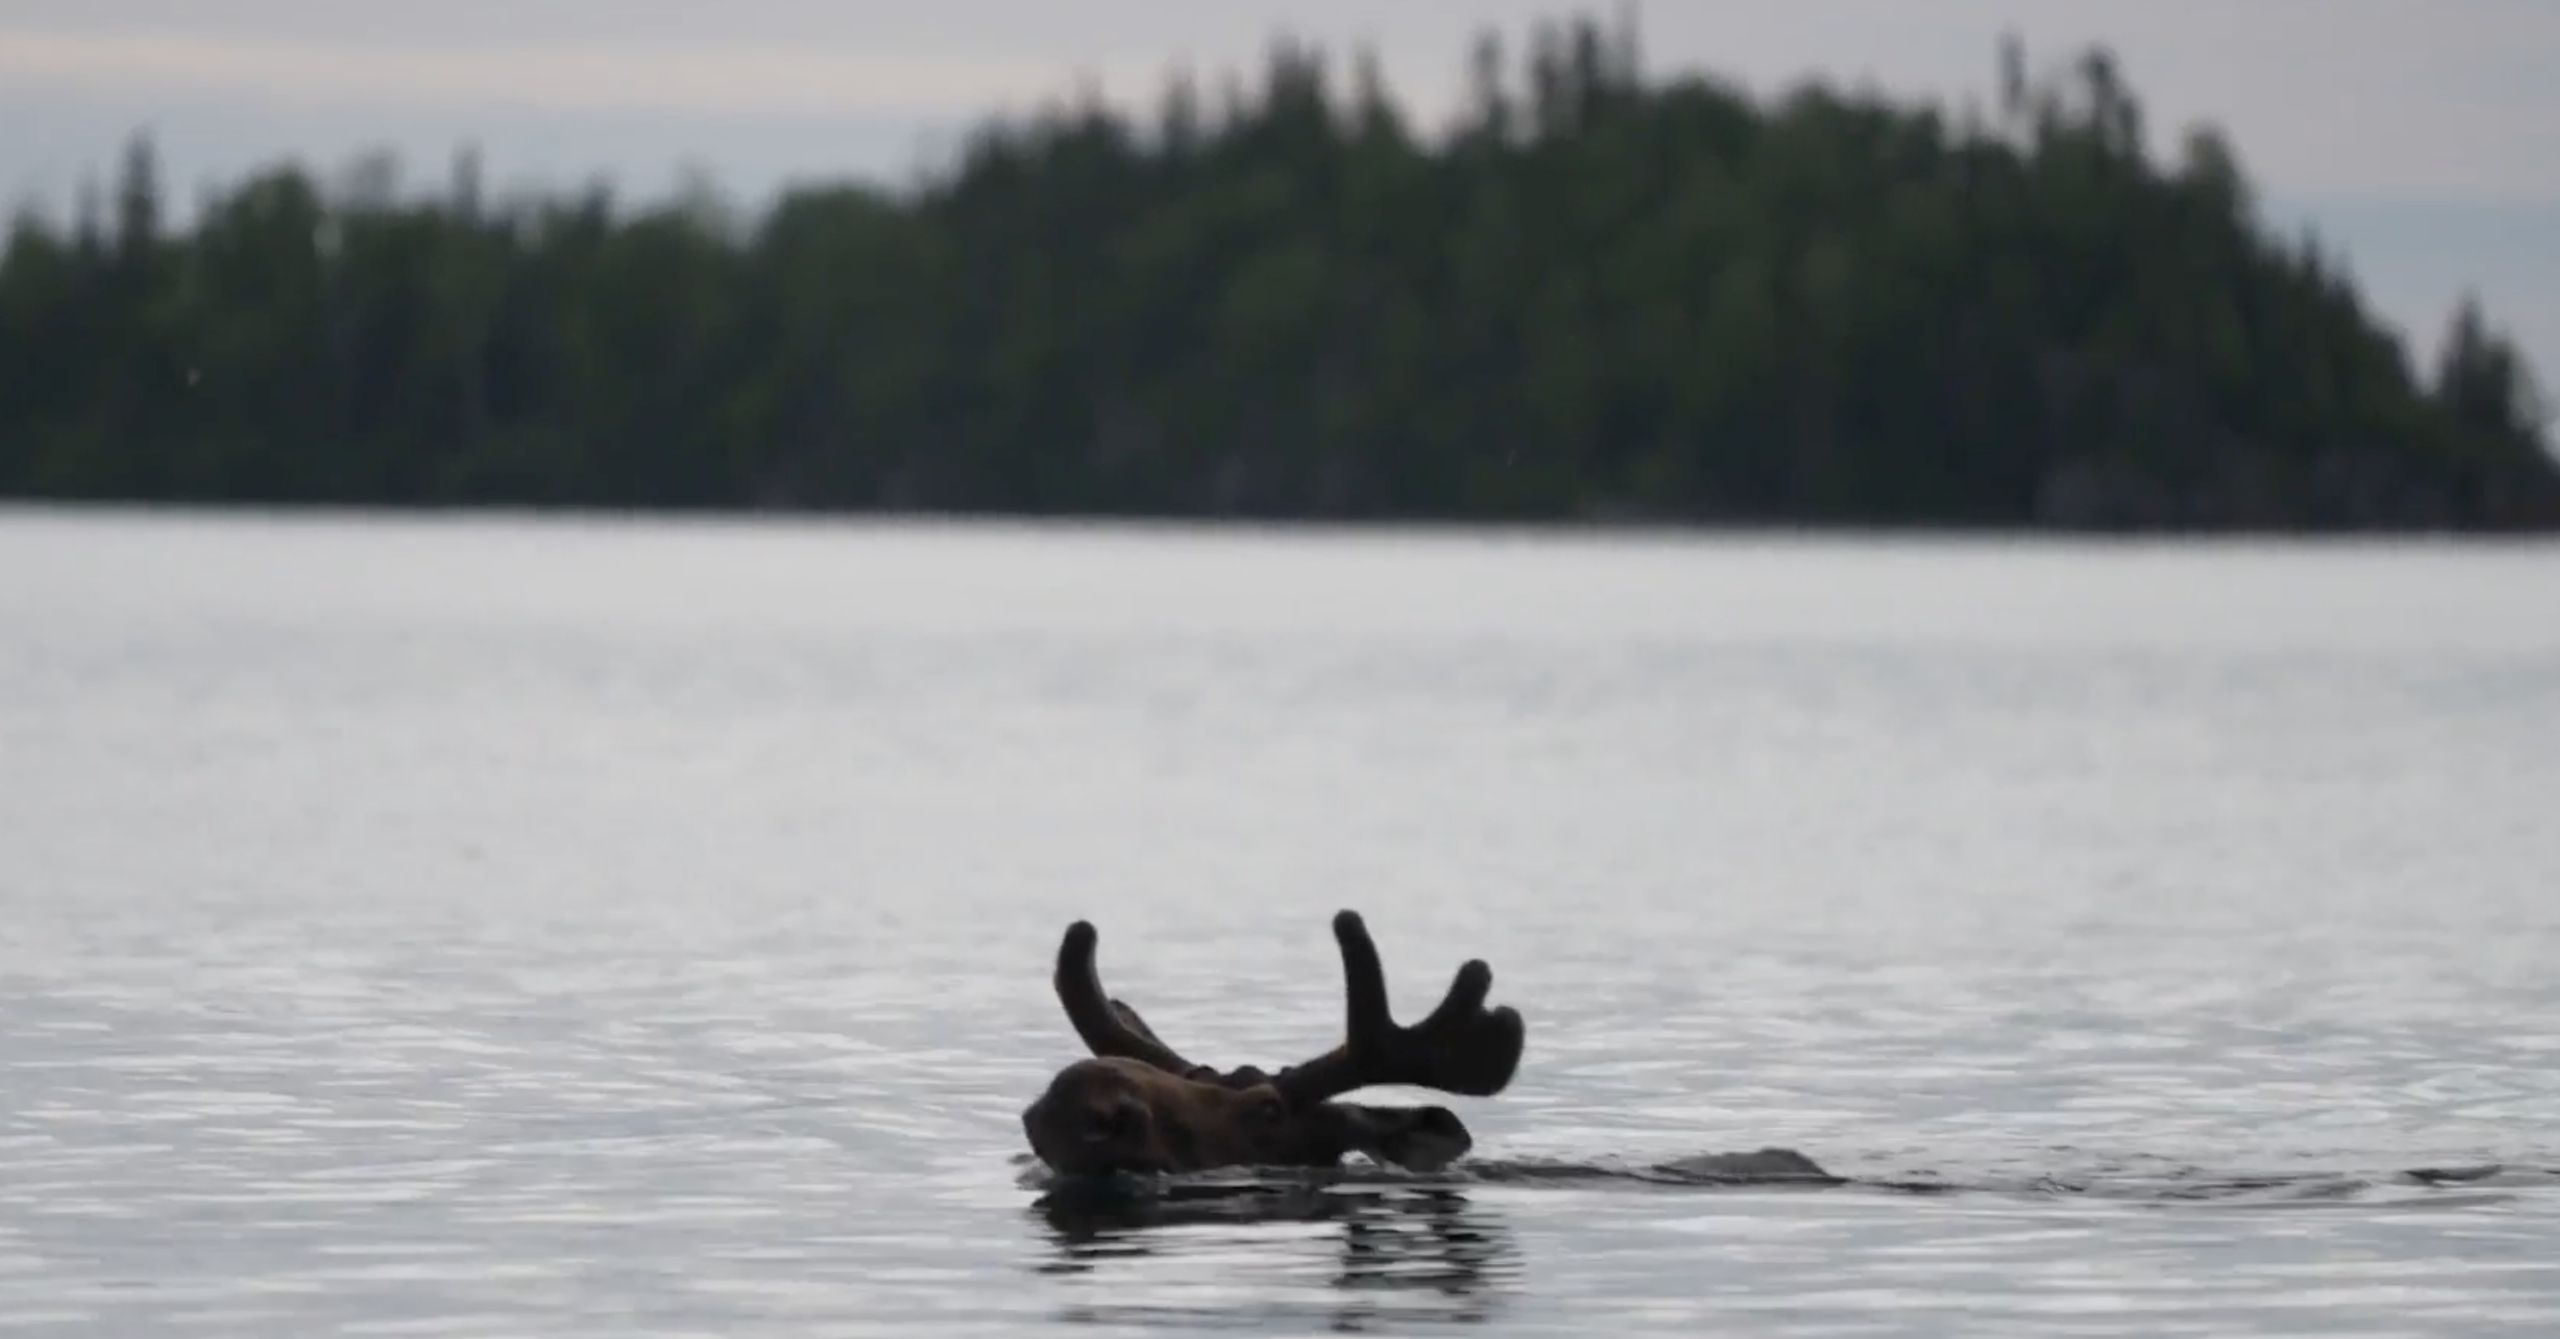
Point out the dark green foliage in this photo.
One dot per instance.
(1598, 297)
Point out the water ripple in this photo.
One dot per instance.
(443, 931)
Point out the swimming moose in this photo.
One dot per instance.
(1137, 1106)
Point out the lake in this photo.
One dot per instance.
(500, 926)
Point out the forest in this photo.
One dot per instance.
(1595, 297)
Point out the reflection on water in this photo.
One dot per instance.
(2162, 1248)
(1399, 1254)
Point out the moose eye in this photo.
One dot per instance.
(1108, 1123)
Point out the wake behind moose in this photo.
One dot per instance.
(1138, 1106)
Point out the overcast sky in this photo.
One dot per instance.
(2421, 139)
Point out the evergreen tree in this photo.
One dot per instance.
(1601, 295)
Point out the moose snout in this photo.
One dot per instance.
(1085, 1132)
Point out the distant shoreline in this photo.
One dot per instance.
(856, 522)
(1600, 302)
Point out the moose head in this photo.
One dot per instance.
(1137, 1106)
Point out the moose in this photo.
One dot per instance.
(1137, 1106)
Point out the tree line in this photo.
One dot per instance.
(1597, 296)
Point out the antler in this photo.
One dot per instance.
(1461, 1048)
(1108, 1027)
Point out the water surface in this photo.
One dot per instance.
(504, 927)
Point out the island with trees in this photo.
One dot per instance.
(1600, 297)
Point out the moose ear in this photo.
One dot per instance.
(1419, 1139)
(1129, 1019)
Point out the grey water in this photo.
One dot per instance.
(506, 926)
